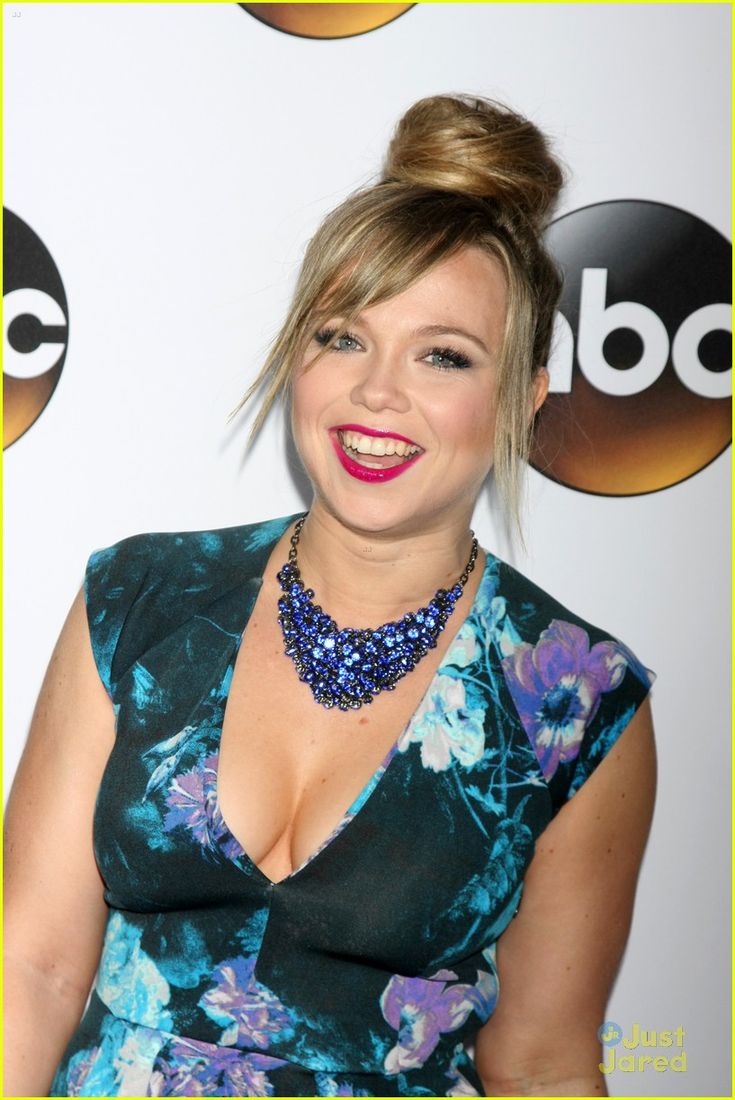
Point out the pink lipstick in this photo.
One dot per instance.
(371, 474)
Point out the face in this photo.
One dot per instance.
(395, 424)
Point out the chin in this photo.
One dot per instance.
(373, 513)
(374, 517)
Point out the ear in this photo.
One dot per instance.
(539, 391)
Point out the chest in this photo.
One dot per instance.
(290, 769)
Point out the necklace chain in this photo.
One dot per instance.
(347, 668)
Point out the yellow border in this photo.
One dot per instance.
(590, 3)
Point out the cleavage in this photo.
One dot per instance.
(289, 769)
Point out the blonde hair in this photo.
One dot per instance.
(460, 171)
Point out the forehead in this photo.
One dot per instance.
(467, 290)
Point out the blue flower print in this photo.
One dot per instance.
(445, 727)
(330, 1086)
(128, 981)
(460, 1085)
(121, 1064)
(249, 1013)
(464, 649)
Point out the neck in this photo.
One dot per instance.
(363, 579)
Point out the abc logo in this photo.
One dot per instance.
(640, 387)
(35, 327)
(326, 20)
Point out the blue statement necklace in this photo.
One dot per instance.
(348, 668)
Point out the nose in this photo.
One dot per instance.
(380, 386)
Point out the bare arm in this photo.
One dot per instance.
(55, 913)
(558, 958)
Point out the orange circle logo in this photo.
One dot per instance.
(326, 20)
(36, 327)
(641, 370)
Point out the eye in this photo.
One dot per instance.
(448, 359)
(346, 342)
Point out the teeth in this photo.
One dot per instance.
(377, 445)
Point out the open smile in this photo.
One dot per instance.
(373, 455)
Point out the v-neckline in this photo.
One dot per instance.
(224, 832)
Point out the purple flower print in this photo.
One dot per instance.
(194, 1068)
(250, 1014)
(192, 802)
(422, 1009)
(79, 1067)
(556, 686)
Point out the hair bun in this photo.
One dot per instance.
(478, 147)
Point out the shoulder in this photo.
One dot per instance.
(141, 588)
(161, 555)
(574, 685)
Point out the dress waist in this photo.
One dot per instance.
(114, 1056)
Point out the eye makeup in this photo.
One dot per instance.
(453, 359)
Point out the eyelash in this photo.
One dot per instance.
(457, 359)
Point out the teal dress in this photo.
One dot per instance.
(369, 969)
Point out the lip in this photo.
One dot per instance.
(374, 431)
(365, 473)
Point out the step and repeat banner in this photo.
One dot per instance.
(165, 166)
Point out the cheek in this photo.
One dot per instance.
(304, 405)
(469, 424)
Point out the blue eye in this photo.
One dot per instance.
(345, 342)
(449, 359)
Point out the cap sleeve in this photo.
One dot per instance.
(574, 687)
(623, 685)
(112, 582)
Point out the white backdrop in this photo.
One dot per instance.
(175, 158)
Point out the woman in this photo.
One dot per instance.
(323, 850)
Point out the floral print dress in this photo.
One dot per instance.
(370, 968)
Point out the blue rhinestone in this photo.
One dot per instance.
(329, 643)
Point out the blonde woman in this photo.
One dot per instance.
(343, 804)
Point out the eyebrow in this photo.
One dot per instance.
(438, 330)
(449, 330)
